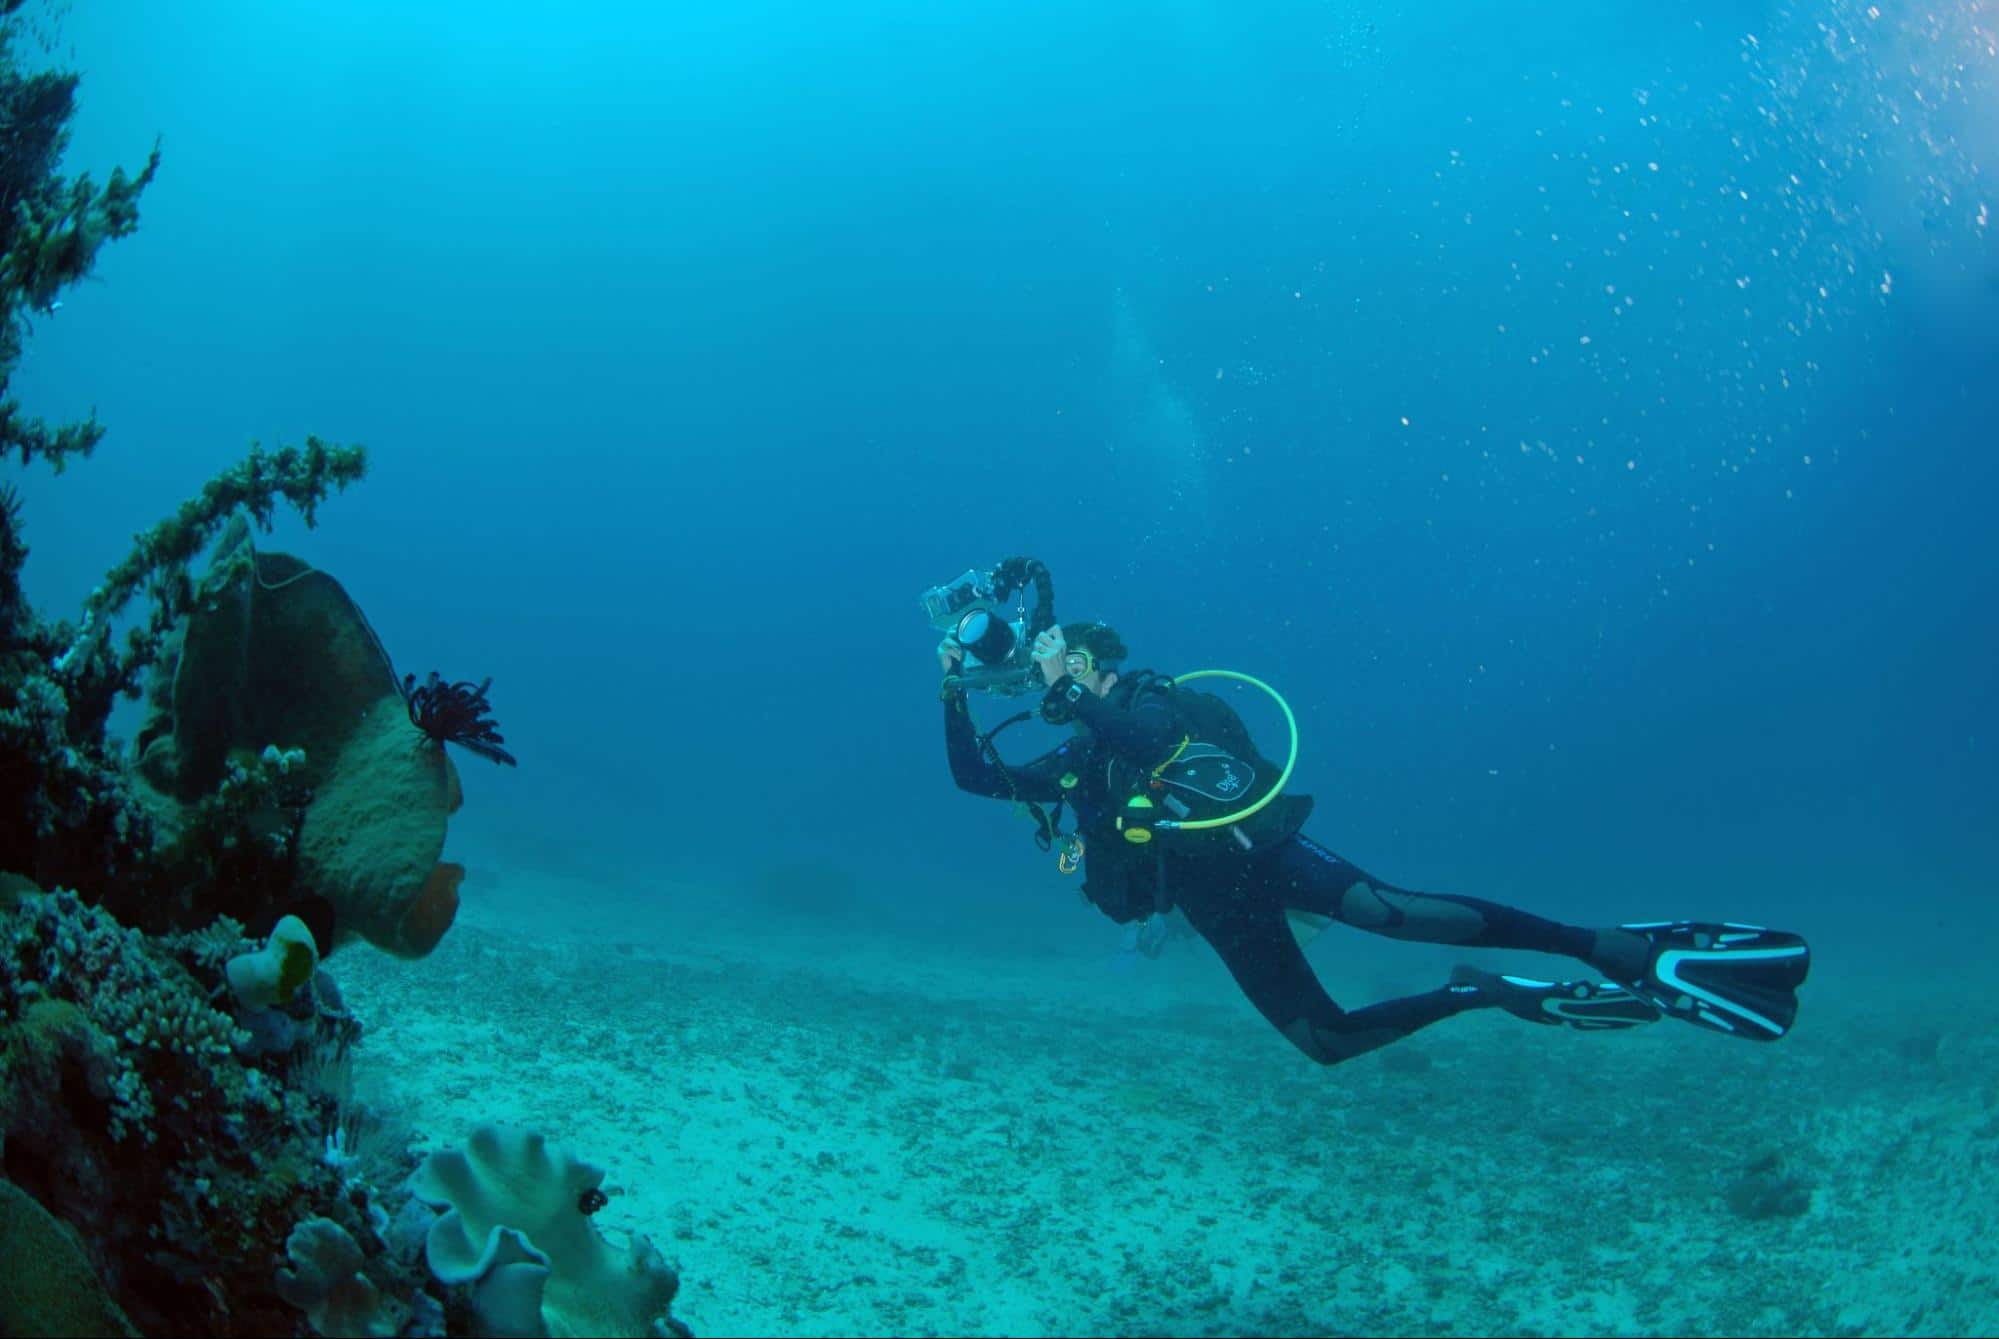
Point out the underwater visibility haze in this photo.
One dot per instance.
(484, 859)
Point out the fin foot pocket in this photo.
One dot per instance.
(1587, 1006)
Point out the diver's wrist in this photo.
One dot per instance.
(1058, 704)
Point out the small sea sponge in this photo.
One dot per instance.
(267, 977)
(326, 1282)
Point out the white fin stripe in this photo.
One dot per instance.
(1666, 971)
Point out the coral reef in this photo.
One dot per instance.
(181, 1141)
(181, 1150)
(276, 768)
(65, 793)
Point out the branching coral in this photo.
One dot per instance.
(456, 713)
(50, 233)
(54, 776)
(168, 1040)
(63, 795)
(133, 1106)
(160, 556)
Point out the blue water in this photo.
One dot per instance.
(1582, 414)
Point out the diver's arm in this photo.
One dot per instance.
(974, 771)
(1144, 733)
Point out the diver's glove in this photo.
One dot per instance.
(1152, 935)
(951, 660)
(1058, 704)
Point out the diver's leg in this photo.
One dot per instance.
(1308, 877)
(1247, 927)
(1305, 877)
(1728, 977)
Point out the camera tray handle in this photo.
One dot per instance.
(1014, 574)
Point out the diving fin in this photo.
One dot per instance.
(1739, 979)
(1587, 1006)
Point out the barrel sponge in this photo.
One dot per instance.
(275, 653)
(517, 1230)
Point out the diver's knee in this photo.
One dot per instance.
(1320, 1044)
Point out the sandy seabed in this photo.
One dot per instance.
(838, 1127)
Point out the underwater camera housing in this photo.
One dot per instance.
(998, 641)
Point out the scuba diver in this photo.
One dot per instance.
(1175, 808)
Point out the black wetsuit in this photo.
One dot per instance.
(1236, 883)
